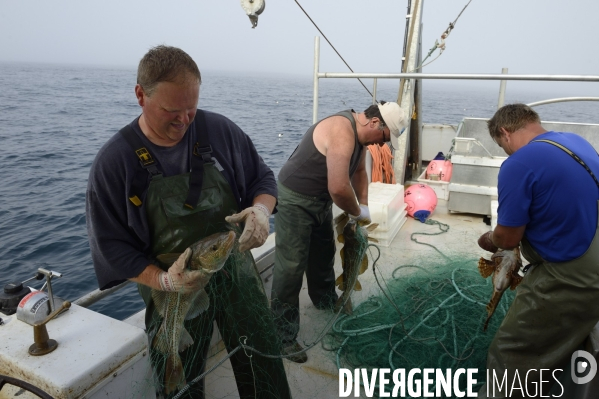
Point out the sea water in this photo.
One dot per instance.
(54, 119)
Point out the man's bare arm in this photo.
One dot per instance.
(360, 181)
(508, 237)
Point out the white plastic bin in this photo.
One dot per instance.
(441, 188)
(388, 209)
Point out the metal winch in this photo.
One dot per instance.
(31, 306)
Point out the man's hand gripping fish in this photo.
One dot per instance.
(504, 265)
(209, 256)
(353, 258)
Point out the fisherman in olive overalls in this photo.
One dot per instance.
(173, 176)
(548, 204)
(326, 168)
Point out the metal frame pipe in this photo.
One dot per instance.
(502, 89)
(316, 76)
(557, 78)
(374, 91)
(94, 296)
(562, 99)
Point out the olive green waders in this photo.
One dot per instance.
(305, 242)
(555, 309)
(238, 302)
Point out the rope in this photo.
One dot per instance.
(441, 45)
(374, 304)
(452, 25)
(431, 309)
(382, 164)
(443, 229)
(201, 376)
(331, 44)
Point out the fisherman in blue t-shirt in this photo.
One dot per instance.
(548, 205)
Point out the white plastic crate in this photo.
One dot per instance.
(385, 202)
(441, 188)
(385, 237)
(387, 208)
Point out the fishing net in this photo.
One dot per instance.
(425, 315)
(239, 308)
(428, 314)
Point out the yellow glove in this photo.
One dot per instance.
(256, 227)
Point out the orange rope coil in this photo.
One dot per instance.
(382, 167)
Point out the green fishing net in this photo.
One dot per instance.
(426, 315)
(240, 309)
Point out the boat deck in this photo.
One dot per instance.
(319, 377)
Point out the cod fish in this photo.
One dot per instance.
(208, 255)
(504, 265)
(353, 258)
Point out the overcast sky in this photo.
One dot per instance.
(527, 36)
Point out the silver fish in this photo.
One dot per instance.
(504, 266)
(208, 255)
(353, 258)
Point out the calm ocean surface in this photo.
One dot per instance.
(54, 119)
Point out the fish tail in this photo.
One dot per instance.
(491, 306)
(486, 323)
(485, 267)
(174, 377)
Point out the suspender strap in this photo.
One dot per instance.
(202, 153)
(573, 155)
(147, 162)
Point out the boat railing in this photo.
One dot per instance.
(562, 99)
(503, 77)
(406, 96)
(263, 256)
(449, 76)
(92, 297)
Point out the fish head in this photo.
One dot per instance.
(350, 230)
(210, 253)
(508, 259)
(508, 262)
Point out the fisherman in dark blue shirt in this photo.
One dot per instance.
(548, 205)
(174, 175)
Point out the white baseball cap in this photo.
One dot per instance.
(393, 117)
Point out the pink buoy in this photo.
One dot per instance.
(439, 170)
(421, 201)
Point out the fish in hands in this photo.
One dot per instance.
(353, 257)
(504, 266)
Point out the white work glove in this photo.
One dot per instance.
(256, 227)
(364, 217)
(180, 279)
